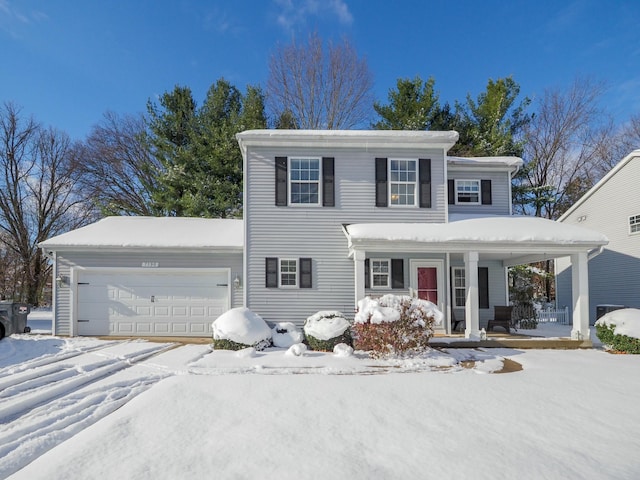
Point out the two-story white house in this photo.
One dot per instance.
(329, 217)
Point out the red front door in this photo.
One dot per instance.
(428, 284)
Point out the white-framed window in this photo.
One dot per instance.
(468, 192)
(403, 182)
(380, 273)
(458, 286)
(304, 181)
(288, 272)
(634, 224)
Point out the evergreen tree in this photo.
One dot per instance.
(201, 173)
(413, 105)
(492, 124)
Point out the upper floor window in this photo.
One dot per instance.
(304, 181)
(634, 224)
(402, 184)
(468, 192)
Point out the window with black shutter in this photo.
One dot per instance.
(328, 182)
(281, 181)
(425, 182)
(271, 272)
(305, 273)
(381, 182)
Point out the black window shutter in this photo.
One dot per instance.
(271, 272)
(485, 188)
(305, 273)
(483, 287)
(451, 191)
(381, 182)
(328, 190)
(281, 181)
(397, 273)
(425, 182)
(367, 274)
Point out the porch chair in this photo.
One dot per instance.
(502, 317)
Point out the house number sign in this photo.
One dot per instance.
(150, 264)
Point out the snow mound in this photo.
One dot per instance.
(626, 322)
(286, 334)
(343, 350)
(249, 352)
(326, 324)
(241, 325)
(297, 350)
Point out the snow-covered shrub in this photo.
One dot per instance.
(240, 328)
(620, 330)
(285, 334)
(326, 329)
(394, 325)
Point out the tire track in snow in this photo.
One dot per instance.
(40, 414)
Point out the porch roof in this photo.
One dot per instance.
(513, 239)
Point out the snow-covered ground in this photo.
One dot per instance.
(81, 408)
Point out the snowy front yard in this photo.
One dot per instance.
(85, 408)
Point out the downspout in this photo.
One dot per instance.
(595, 253)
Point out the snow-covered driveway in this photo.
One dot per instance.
(50, 397)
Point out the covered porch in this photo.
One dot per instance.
(433, 249)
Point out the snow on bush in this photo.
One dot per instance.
(394, 325)
(620, 330)
(285, 334)
(240, 328)
(325, 329)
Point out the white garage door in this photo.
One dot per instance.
(151, 304)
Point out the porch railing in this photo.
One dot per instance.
(559, 316)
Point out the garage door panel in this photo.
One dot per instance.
(150, 304)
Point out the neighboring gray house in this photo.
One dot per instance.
(611, 207)
(329, 217)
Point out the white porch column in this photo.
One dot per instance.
(472, 305)
(358, 276)
(580, 291)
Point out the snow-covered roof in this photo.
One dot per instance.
(597, 186)
(398, 139)
(153, 232)
(480, 232)
(512, 163)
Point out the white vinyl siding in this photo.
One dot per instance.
(500, 193)
(317, 233)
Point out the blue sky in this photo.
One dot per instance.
(67, 62)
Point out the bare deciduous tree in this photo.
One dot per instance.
(117, 167)
(563, 149)
(38, 195)
(321, 88)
